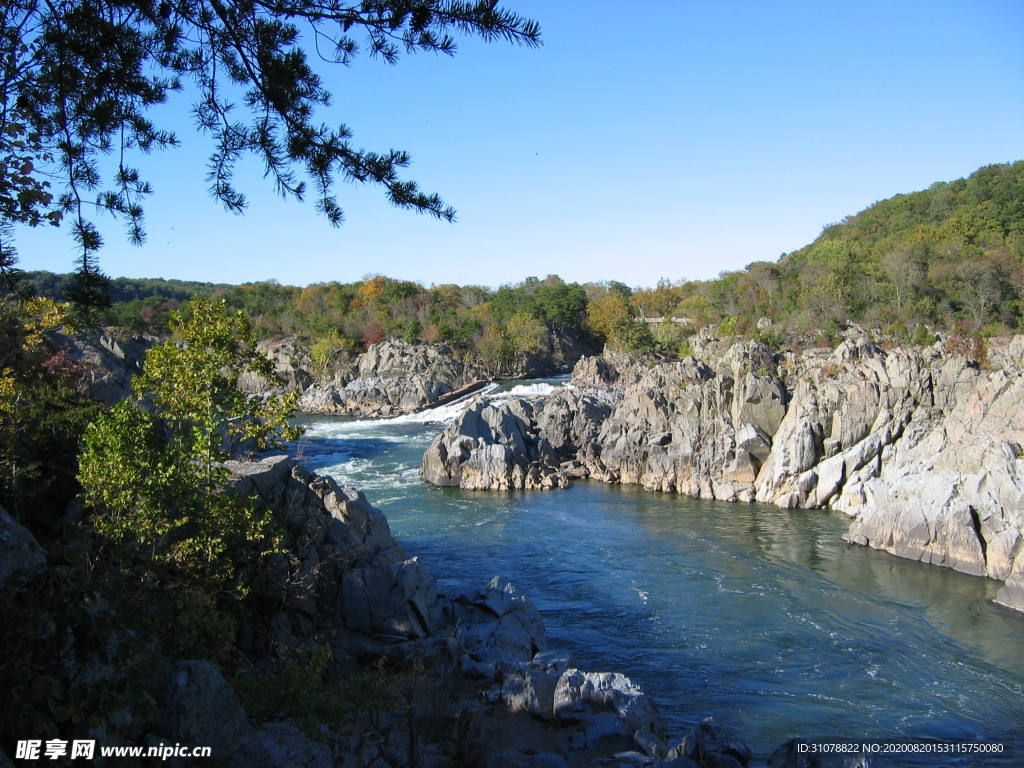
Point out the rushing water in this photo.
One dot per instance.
(759, 616)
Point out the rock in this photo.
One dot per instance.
(494, 626)
(202, 709)
(717, 745)
(21, 557)
(1012, 593)
(346, 571)
(571, 419)
(491, 447)
(292, 367)
(391, 378)
(530, 687)
(613, 711)
(108, 361)
(287, 746)
(950, 490)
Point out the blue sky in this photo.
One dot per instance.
(671, 139)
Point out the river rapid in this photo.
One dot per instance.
(759, 616)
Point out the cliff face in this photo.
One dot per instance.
(924, 451)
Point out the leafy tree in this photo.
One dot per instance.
(660, 301)
(906, 269)
(613, 318)
(42, 417)
(24, 197)
(672, 338)
(151, 467)
(561, 305)
(525, 333)
(79, 80)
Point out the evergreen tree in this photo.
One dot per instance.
(79, 78)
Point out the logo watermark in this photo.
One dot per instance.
(86, 749)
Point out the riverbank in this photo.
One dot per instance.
(921, 448)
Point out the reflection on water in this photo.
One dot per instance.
(760, 616)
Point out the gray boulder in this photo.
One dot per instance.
(343, 569)
(21, 557)
(495, 626)
(613, 711)
(530, 687)
(108, 361)
(491, 447)
(292, 367)
(200, 708)
(718, 746)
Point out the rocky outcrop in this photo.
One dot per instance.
(21, 557)
(491, 446)
(339, 565)
(292, 368)
(921, 448)
(200, 707)
(950, 490)
(107, 362)
(391, 378)
(396, 377)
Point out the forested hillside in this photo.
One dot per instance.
(949, 256)
(946, 258)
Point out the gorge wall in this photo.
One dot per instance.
(922, 448)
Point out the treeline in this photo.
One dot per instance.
(124, 290)
(946, 258)
(140, 304)
(496, 326)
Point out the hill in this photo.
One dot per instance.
(949, 256)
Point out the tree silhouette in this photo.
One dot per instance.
(81, 77)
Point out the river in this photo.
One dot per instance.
(759, 616)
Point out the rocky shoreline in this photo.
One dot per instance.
(508, 699)
(921, 448)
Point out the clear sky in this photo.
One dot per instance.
(670, 139)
